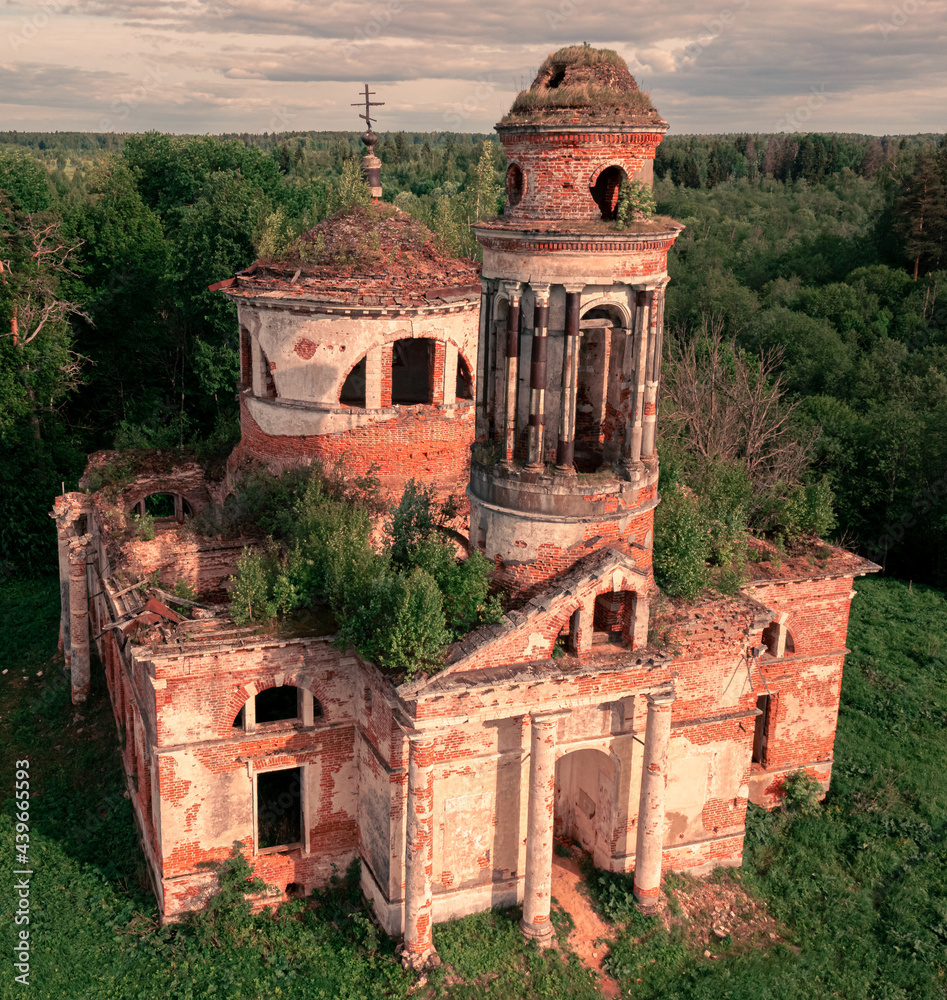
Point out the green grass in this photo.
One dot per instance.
(860, 890)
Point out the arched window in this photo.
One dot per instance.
(515, 184)
(614, 618)
(353, 388)
(277, 706)
(602, 338)
(606, 189)
(464, 388)
(778, 640)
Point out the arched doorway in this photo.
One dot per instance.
(598, 426)
(585, 801)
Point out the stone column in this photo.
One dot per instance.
(652, 374)
(481, 397)
(631, 452)
(512, 374)
(65, 627)
(78, 622)
(565, 449)
(537, 380)
(419, 852)
(654, 774)
(539, 827)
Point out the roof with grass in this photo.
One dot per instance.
(374, 255)
(584, 84)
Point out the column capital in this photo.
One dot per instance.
(574, 287)
(541, 292)
(658, 699)
(423, 735)
(554, 715)
(513, 289)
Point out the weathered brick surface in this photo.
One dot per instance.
(424, 442)
(560, 167)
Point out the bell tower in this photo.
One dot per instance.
(571, 327)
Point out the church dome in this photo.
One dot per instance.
(366, 256)
(586, 84)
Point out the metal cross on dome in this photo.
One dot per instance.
(368, 106)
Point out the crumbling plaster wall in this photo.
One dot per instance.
(804, 686)
(206, 766)
(310, 356)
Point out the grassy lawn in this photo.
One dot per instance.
(859, 889)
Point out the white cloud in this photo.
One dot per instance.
(227, 64)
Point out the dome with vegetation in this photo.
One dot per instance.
(585, 83)
(365, 255)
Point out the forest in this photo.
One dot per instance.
(818, 258)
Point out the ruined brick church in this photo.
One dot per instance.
(529, 387)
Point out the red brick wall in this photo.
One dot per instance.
(424, 442)
(558, 169)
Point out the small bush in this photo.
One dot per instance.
(143, 526)
(801, 793)
(635, 201)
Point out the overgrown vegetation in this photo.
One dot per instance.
(581, 95)
(318, 550)
(635, 202)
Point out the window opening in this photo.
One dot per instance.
(759, 730)
(279, 808)
(614, 618)
(515, 184)
(353, 389)
(464, 388)
(411, 360)
(277, 704)
(269, 383)
(163, 506)
(605, 191)
(555, 81)
(595, 348)
(286, 703)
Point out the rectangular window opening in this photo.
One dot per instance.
(759, 730)
(279, 808)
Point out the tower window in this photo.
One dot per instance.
(411, 363)
(605, 191)
(515, 184)
(464, 389)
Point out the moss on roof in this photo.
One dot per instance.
(584, 81)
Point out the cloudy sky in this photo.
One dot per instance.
(875, 66)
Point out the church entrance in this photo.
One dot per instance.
(585, 799)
